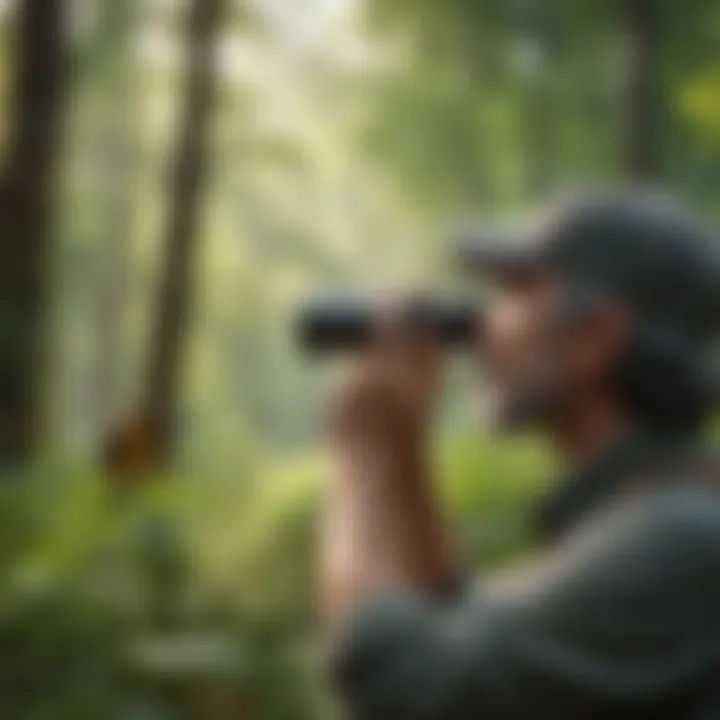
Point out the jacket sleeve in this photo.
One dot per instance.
(622, 621)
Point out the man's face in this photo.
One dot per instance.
(539, 362)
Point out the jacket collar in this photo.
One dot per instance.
(585, 488)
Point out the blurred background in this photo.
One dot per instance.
(176, 176)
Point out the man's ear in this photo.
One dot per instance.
(661, 381)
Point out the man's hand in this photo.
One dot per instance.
(382, 526)
(389, 396)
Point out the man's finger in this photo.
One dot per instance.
(410, 346)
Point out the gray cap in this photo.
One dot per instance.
(638, 244)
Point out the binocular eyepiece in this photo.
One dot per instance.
(344, 324)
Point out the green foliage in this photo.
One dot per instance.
(700, 103)
(490, 484)
(92, 575)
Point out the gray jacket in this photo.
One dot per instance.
(619, 616)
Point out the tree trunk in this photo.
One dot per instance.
(540, 127)
(641, 110)
(120, 132)
(26, 211)
(144, 444)
(537, 68)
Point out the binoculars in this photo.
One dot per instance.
(344, 324)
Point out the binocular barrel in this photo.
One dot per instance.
(343, 324)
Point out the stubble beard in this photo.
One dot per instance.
(529, 402)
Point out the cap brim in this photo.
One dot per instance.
(498, 254)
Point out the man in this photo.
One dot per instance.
(597, 339)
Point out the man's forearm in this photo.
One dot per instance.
(383, 527)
